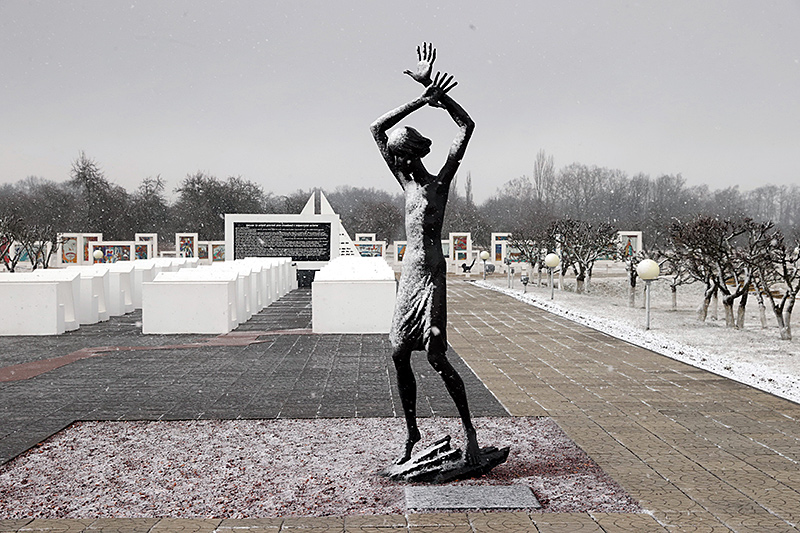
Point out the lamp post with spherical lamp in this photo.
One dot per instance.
(648, 270)
(484, 257)
(98, 256)
(551, 261)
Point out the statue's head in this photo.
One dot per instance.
(408, 143)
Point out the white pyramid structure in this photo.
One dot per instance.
(309, 208)
(346, 246)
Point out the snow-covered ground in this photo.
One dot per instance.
(753, 355)
(262, 468)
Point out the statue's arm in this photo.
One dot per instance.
(426, 55)
(459, 147)
(388, 121)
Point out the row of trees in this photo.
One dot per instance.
(33, 243)
(638, 202)
(580, 244)
(91, 202)
(733, 258)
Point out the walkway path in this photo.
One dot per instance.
(701, 453)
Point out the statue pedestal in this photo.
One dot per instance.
(439, 463)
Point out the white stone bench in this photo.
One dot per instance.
(120, 281)
(190, 301)
(93, 299)
(283, 275)
(119, 288)
(143, 271)
(245, 283)
(278, 276)
(261, 280)
(167, 264)
(43, 302)
(184, 262)
(353, 295)
(36, 308)
(264, 272)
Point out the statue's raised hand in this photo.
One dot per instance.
(426, 54)
(440, 86)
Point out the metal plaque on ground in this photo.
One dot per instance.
(471, 497)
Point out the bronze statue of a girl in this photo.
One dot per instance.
(420, 316)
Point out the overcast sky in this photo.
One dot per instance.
(283, 92)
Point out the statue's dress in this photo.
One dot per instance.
(420, 314)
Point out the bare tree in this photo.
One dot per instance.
(104, 206)
(203, 200)
(9, 232)
(463, 215)
(369, 211)
(723, 254)
(630, 260)
(582, 244)
(694, 244)
(544, 179)
(748, 254)
(534, 242)
(512, 208)
(40, 242)
(149, 207)
(581, 190)
(676, 271)
(781, 270)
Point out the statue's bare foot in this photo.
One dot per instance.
(473, 454)
(413, 438)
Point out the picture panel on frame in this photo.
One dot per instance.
(186, 244)
(70, 253)
(148, 237)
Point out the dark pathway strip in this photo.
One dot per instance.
(35, 368)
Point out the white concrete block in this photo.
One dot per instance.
(69, 287)
(244, 285)
(190, 301)
(282, 276)
(93, 299)
(36, 306)
(352, 306)
(144, 271)
(121, 276)
(353, 295)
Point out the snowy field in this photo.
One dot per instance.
(753, 355)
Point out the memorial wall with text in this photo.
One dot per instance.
(310, 240)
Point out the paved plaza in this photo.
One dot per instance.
(699, 452)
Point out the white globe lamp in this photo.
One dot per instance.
(648, 270)
(98, 255)
(551, 261)
(484, 257)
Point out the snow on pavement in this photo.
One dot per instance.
(753, 355)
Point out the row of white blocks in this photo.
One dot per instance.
(52, 301)
(216, 298)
